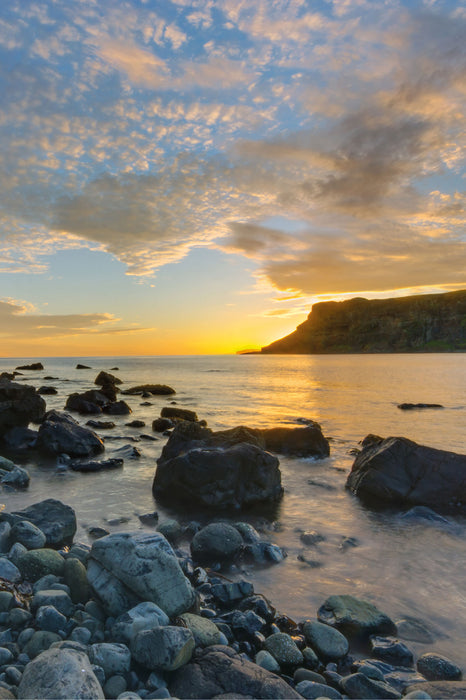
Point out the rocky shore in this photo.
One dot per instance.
(161, 612)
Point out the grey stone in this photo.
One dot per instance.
(359, 686)
(6, 656)
(60, 674)
(328, 643)
(435, 667)
(6, 600)
(115, 659)
(305, 674)
(60, 433)
(355, 617)
(60, 600)
(36, 563)
(216, 542)
(392, 651)
(414, 630)
(145, 564)
(163, 648)
(17, 477)
(266, 660)
(18, 617)
(20, 404)
(5, 530)
(284, 650)
(312, 690)
(171, 529)
(114, 686)
(49, 619)
(56, 520)
(28, 534)
(15, 552)
(40, 641)
(9, 571)
(204, 631)
(142, 617)
(75, 577)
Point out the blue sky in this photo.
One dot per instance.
(191, 176)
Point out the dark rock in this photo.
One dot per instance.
(435, 667)
(312, 689)
(28, 534)
(161, 424)
(220, 477)
(34, 365)
(180, 413)
(260, 605)
(103, 465)
(117, 408)
(106, 378)
(79, 366)
(297, 442)
(392, 651)
(20, 404)
(136, 424)
(328, 643)
(163, 648)
(354, 617)
(19, 438)
(101, 424)
(12, 475)
(229, 594)
(359, 686)
(217, 542)
(56, 520)
(47, 390)
(311, 538)
(411, 406)
(218, 670)
(154, 389)
(284, 650)
(36, 563)
(447, 690)
(59, 433)
(91, 401)
(400, 472)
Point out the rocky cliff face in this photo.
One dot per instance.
(425, 323)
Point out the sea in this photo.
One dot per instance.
(409, 568)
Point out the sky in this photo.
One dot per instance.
(190, 176)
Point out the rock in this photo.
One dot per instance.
(56, 520)
(328, 643)
(115, 686)
(144, 616)
(355, 617)
(264, 659)
(106, 378)
(161, 424)
(422, 513)
(147, 568)
(49, 619)
(113, 658)
(97, 466)
(283, 650)
(47, 390)
(217, 542)
(136, 424)
(12, 475)
(217, 671)
(398, 471)
(171, 529)
(360, 686)
(217, 477)
(20, 438)
(20, 404)
(36, 563)
(33, 365)
(155, 389)
(28, 534)
(411, 406)
(311, 537)
(79, 366)
(59, 433)
(5, 533)
(435, 667)
(60, 600)
(40, 641)
(414, 630)
(311, 690)
(91, 401)
(392, 651)
(163, 648)
(9, 571)
(441, 689)
(179, 413)
(101, 424)
(61, 674)
(117, 408)
(297, 442)
(205, 632)
(229, 594)
(75, 577)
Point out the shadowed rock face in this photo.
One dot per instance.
(20, 404)
(421, 323)
(397, 471)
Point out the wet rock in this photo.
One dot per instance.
(423, 514)
(355, 617)
(40, 641)
(113, 658)
(12, 475)
(155, 389)
(20, 404)
(36, 563)
(435, 667)
(136, 424)
(217, 542)
(179, 413)
(216, 671)
(75, 577)
(229, 594)
(411, 406)
(59, 433)
(49, 619)
(163, 648)
(34, 365)
(19, 438)
(117, 408)
(97, 466)
(392, 651)
(80, 366)
(398, 471)
(28, 534)
(447, 690)
(328, 643)
(297, 442)
(284, 650)
(56, 520)
(106, 378)
(61, 674)
(171, 529)
(91, 401)
(360, 686)
(59, 599)
(47, 390)
(264, 659)
(144, 616)
(311, 690)
(101, 424)
(311, 537)
(205, 632)
(161, 424)
(9, 571)
(125, 568)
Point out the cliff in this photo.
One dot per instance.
(424, 323)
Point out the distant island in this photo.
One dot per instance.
(422, 323)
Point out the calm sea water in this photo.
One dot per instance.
(406, 568)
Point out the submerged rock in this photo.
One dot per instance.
(355, 617)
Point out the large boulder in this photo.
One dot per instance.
(60, 433)
(398, 471)
(20, 404)
(219, 671)
(61, 674)
(55, 519)
(218, 477)
(125, 569)
(88, 402)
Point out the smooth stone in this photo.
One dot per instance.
(6, 601)
(15, 552)
(359, 686)
(171, 529)
(311, 690)
(284, 650)
(163, 648)
(60, 674)
(56, 520)
(40, 641)
(60, 600)
(311, 660)
(204, 631)
(417, 695)
(435, 667)
(5, 531)
(50, 619)
(45, 583)
(216, 542)
(17, 477)
(144, 616)
(36, 563)
(9, 571)
(75, 577)
(6, 656)
(392, 651)
(305, 674)
(264, 659)
(28, 534)
(114, 686)
(328, 643)
(115, 659)
(82, 635)
(18, 617)
(355, 617)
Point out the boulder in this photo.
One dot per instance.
(354, 617)
(89, 402)
(435, 667)
(398, 471)
(103, 465)
(20, 404)
(143, 567)
(60, 673)
(219, 670)
(36, 563)
(216, 542)
(180, 413)
(60, 433)
(33, 365)
(217, 477)
(155, 389)
(106, 378)
(117, 408)
(56, 520)
(328, 643)
(80, 366)
(297, 442)
(144, 616)
(28, 535)
(163, 648)
(20, 438)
